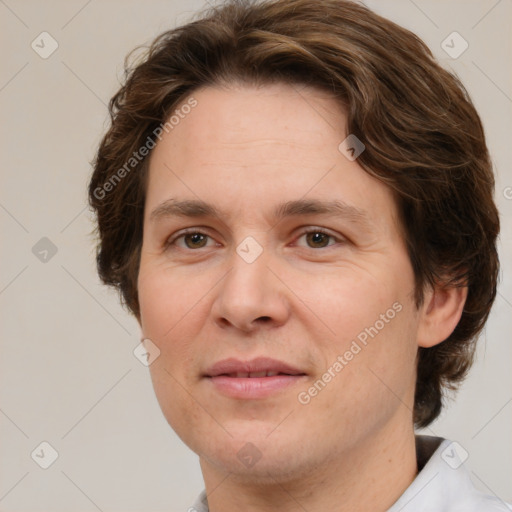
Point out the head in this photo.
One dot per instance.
(245, 109)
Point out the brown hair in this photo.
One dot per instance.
(422, 134)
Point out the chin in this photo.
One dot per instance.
(259, 458)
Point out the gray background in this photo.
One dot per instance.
(68, 375)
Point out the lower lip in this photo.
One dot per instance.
(252, 387)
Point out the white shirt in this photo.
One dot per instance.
(442, 484)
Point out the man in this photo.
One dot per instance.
(296, 203)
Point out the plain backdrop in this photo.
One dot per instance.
(68, 375)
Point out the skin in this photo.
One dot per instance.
(303, 300)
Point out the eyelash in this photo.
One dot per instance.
(171, 241)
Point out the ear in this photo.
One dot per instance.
(440, 314)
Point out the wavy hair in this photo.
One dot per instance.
(423, 138)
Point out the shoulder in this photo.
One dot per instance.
(480, 502)
(444, 483)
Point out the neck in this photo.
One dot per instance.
(372, 475)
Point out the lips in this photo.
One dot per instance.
(243, 375)
(259, 367)
(257, 379)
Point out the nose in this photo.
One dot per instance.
(250, 297)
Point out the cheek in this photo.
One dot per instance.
(346, 300)
(166, 298)
(372, 324)
(180, 409)
(372, 381)
(169, 310)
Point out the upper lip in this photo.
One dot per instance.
(259, 364)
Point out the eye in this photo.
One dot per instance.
(192, 239)
(318, 238)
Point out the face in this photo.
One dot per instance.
(272, 270)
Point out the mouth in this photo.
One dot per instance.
(255, 375)
(259, 367)
(255, 379)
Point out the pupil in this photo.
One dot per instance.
(195, 238)
(317, 238)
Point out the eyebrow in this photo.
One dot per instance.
(194, 208)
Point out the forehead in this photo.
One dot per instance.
(278, 117)
(246, 147)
